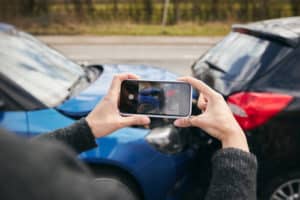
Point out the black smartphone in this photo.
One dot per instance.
(163, 99)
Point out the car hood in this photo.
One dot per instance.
(81, 104)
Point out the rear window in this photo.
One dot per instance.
(239, 55)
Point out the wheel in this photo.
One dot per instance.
(286, 187)
(116, 185)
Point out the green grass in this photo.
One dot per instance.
(182, 29)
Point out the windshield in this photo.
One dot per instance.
(38, 69)
(239, 56)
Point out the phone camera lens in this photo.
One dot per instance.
(130, 96)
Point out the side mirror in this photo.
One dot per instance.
(167, 139)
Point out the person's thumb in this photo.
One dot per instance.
(135, 120)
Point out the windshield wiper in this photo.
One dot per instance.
(214, 66)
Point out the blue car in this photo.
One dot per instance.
(41, 90)
(150, 99)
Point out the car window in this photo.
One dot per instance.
(7, 103)
(287, 76)
(238, 55)
(38, 69)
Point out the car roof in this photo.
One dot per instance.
(286, 30)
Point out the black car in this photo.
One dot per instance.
(257, 69)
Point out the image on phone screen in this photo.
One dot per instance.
(155, 98)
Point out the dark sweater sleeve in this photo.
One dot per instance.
(233, 176)
(78, 136)
(48, 170)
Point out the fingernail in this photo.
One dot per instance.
(176, 123)
(146, 120)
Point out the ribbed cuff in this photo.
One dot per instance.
(84, 134)
(233, 175)
(78, 136)
(232, 157)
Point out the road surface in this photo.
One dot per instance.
(173, 53)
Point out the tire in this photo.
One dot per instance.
(284, 187)
(115, 185)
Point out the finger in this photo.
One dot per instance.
(131, 76)
(135, 120)
(115, 87)
(198, 121)
(199, 85)
(202, 102)
(182, 122)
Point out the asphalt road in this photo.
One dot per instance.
(173, 53)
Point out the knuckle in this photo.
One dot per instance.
(116, 77)
(193, 121)
(106, 98)
(198, 103)
(139, 121)
(187, 121)
(121, 124)
(109, 101)
(218, 96)
(201, 105)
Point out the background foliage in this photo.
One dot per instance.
(42, 13)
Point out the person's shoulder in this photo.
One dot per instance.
(12, 144)
(42, 153)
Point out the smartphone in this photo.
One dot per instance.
(163, 99)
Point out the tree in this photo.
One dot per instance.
(115, 6)
(165, 12)
(148, 9)
(4, 9)
(243, 14)
(214, 10)
(78, 7)
(255, 9)
(90, 7)
(134, 10)
(41, 7)
(27, 7)
(265, 9)
(295, 5)
(196, 9)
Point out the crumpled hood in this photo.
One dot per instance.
(82, 104)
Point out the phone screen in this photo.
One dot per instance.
(155, 98)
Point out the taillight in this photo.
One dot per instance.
(252, 109)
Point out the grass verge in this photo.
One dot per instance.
(182, 29)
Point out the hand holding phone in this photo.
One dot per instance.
(216, 118)
(105, 117)
(163, 99)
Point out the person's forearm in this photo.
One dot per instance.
(234, 175)
(78, 136)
